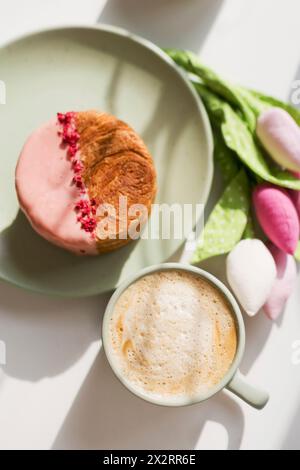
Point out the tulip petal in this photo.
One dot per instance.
(277, 216)
(280, 136)
(283, 285)
(251, 272)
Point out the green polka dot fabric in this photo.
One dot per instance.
(227, 162)
(233, 112)
(227, 222)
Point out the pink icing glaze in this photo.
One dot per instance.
(85, 207)
(277, 216)
(45, 191)
(283, 285)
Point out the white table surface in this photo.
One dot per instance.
(56, 389)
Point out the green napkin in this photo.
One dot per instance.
(228, 164)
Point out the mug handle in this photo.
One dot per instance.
(251, 395)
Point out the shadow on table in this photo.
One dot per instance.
(44, 336)
(292, 438)
(188, 22)
(106, 416)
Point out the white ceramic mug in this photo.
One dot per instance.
(233, 380)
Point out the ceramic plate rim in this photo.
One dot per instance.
(207, 131)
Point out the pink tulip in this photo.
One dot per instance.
(280, 135)
(295, 196)
(277, 216)
(283, 285)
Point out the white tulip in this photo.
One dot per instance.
(251, 273)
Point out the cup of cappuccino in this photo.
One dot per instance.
(174, 336)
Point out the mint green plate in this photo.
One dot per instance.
(79, 68)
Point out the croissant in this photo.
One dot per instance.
(86, 182)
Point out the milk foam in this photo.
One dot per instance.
(173, 335)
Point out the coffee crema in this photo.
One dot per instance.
(173, 335)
